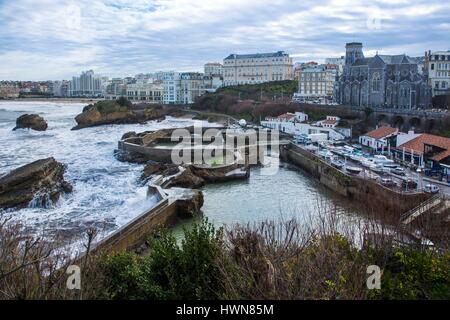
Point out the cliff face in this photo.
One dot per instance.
(39, 181)
(111, 112)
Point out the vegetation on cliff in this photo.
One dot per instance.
(265, 261)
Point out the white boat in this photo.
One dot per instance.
(355, 157)
(367, 163)
(353, 170)
(378, 169)
(380, 159)
(337, 163)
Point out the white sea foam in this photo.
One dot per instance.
(106, 194)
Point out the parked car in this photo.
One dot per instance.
(387, 182)
(398, 171)
(431, 188)
(409, 184)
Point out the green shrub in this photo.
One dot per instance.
(415, 274)
(169, 271)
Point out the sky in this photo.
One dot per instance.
(53, 39)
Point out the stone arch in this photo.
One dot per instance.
(382, 119)
(414, 122)
(398, 122)
(429, 125)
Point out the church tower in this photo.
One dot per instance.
(353, 52)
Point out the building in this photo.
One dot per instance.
(9, 90)
(88, 84)
(339, 62)
(439, 72)
(425, 150)
(317, 83)
(295, 124)
(378, 139)
(257, 68)
(330, 122)
(59, 88)
(388, 81)
(172, 87)
(145, 92)
(213, 69)
(300, 66)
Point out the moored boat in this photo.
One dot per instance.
(353, 170)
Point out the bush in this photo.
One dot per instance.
(415, 274)
(169, 271)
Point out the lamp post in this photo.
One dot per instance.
(419, 179)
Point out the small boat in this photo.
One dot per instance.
(377, 169)
(357, 146)
(390, 165)
(367, 163)
(355, 157)
(353, 170)
(337, 163)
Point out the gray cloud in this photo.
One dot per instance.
(54, 39)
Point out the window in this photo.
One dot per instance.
(376, 82)
(432, 66)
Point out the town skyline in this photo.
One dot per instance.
(124, 38)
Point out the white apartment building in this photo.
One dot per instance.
(213, 69)
(317, 82)
(172, 87)
(439, 72)
(145, 92)
(88, 84)
(257, 68)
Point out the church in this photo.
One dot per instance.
(382, 81)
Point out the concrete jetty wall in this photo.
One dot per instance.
(135, 233)
(368, 194)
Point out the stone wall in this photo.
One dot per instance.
(366, 194)
(136, 232)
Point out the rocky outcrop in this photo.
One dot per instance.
(114, 112)
(31, 121)
(189, 201)
(40, 181)
(186, 179)
(157, 168)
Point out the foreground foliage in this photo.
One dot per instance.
(265, 261)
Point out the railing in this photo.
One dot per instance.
(418, 209)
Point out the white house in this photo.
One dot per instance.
(378, 138)
(291, 124)
(330, 122)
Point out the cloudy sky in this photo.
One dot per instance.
(53, 39)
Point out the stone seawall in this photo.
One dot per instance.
(367, 194)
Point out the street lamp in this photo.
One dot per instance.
(419, 179)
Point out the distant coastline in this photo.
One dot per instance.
(46, 99)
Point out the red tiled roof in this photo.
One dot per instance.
(329, 121)
(286, 116)
(418, 145)
(381, 132)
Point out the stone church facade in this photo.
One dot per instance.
(386, 81)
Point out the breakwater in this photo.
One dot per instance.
(367, 194)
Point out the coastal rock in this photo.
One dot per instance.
(159, 168)
(40, 181)
(186, 179)
(129, 134)
(189, 201)
(31, 121)
(116, 112)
